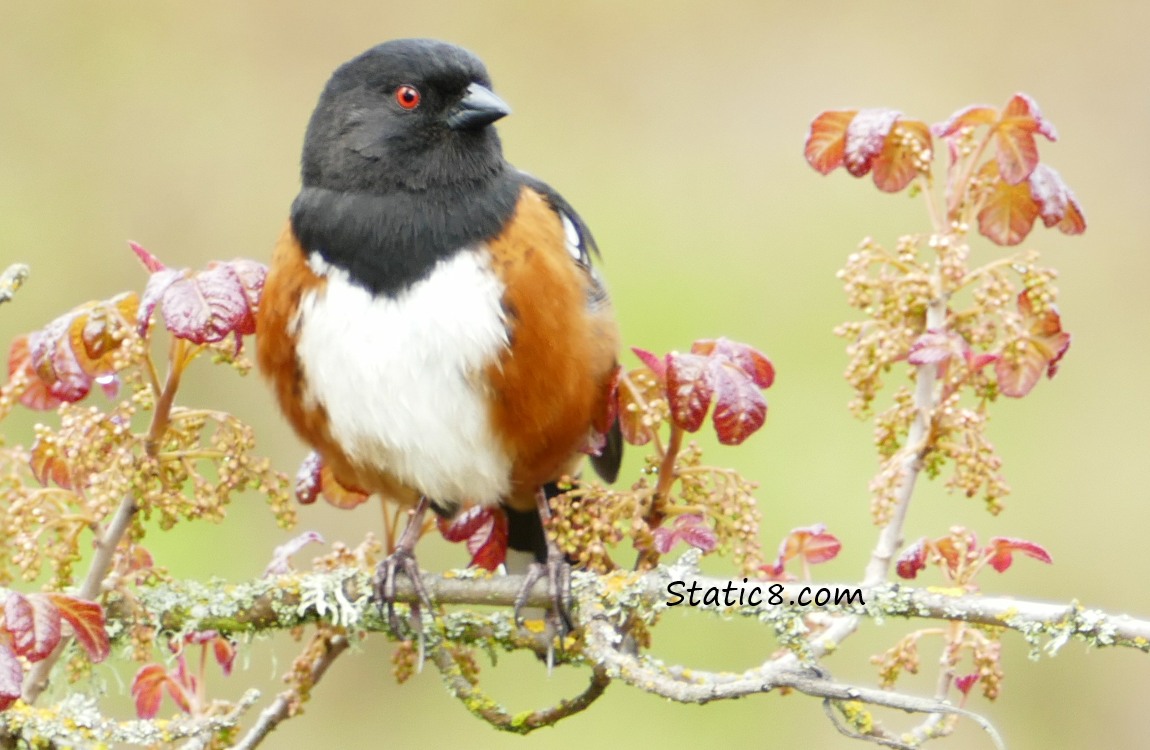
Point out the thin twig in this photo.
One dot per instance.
(281, 708)
(11, 280)
(106, 546)
(479, 704)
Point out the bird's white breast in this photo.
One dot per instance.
(402, 379)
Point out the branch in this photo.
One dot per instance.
(341, 597)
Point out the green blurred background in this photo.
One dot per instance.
(677, 129)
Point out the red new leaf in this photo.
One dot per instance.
(54, 361)
(224, 652)
(34, 623)
(1002, 551)
(747, 358)
(251, 276)
(966, 682)
(937, 347)
(154, 291)
(309, 479)
(74, 350)
(967, 117)
(48, 466)
(655, 364)
(87, 621)
(1008, 211)
(36, 395)
(904, 156)
(689, 389)
(691, 529)
(1056, 202)
(912, 560)
(1025, 359)
(740, 409)
(148, 689)
(206, 307)
(826, 141)
(866, 135)
(1015, 148)
(281, 556)
(151, 262)
(813, 543)
(11, 676)
(485, 531)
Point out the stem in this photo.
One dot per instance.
(917, 446)
(281, 709)
(109, 541)
(163, 412)
(101, 564)
(961, 186)
(667, 474)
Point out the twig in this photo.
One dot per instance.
(700, 686)
(282, 707)
(11, 280)
(106, 545)
(478, 703)
(109, 541)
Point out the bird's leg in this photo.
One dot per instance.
(558, 572)
(402, 560)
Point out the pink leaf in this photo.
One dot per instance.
(937, 347)
(689, 389)
(691, 529)
(224, 652)
(281, 557)
(36, 395)
(309, 479)
(55, 362)
(11, 676)
(484, 529)
(1057, 205)
(812, 543)
(966, 682)
(740, 409)
(87, 621)
(154, 291)
(747, 358)
(865, 137)
(912, 560)
(206, 307)
(148, 690)
(151, 262)
(967, 117)
(34, 623)
(775, 571)
(656, 364)
(1002, 549)
(827, 139)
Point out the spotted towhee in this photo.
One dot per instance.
(431, 323)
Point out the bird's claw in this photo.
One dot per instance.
(402, 561)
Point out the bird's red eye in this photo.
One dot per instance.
(407, 96)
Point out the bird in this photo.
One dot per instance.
(431, 322)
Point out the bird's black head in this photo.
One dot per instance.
(410, 115)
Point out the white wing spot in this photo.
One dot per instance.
(574, 239)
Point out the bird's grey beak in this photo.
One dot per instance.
(478, 107)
